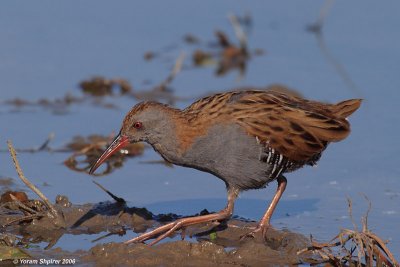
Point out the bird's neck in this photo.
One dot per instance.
(172, 138)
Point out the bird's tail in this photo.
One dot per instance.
(345, 108)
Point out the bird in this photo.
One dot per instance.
(245, 138)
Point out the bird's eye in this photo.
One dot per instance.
(137, 125)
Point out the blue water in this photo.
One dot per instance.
(47, 48)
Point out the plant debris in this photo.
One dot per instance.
(9, 253)
(225, 54)
(37, 209)
(57, 106)
(99, 86)
(191, 39)
(10, 195)
(230, 56)
(352, 247)
(88, 150)
(149, 55)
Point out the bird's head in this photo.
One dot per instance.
(147, 121)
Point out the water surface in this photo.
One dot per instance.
(47, 48)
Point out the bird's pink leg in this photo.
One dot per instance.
(166, 230)
(265, 220)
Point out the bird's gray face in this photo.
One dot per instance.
(146, 125)
(150, 124)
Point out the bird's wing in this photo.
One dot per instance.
(297, 128)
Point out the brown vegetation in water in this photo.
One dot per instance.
(352, 247)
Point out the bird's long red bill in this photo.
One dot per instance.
(119, 142)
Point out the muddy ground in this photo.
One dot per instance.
(217, 244)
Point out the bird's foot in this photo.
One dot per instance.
(160, 232)
(259, 229)
(166, 230)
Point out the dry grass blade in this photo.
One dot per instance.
(350, 210)
(22, 205)
(365, 218)
(46, 143)
(316, 28)
(382, 246)
(58, 219)
(43, 147)
(371, 249)
(239, 32)
(177, 68)
(25, 218)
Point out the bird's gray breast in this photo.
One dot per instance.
(231, 154)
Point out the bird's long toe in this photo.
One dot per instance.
(154, 233)
(166, 230)
(162, 232)
(252, 234)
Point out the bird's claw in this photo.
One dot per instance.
(250, 234)
(263, 229)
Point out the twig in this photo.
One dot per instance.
(59, 220)
(350, 210)
(354, 234)
(46, 143)
(118, 199)
(365, 217)
(317, 26)
(28, 217)
(43, 147)
(337, 66)
(22, 205)
(239, 32)
(371, 249)
(381, 257)
(317, 29)
(383, 247)
(177, 68)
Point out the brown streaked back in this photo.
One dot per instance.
(297, 128)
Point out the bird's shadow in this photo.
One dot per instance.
(111, 209)
(245, 208)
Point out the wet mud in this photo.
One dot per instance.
(218, 244)
(280, 248)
